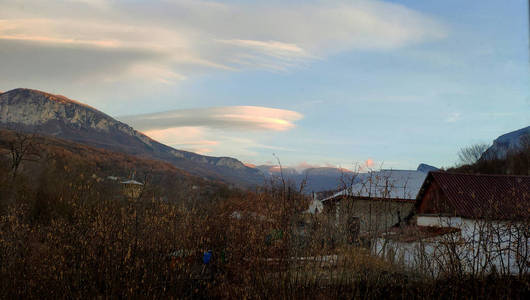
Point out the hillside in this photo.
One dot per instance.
(36, 111)
(509, 154)
(508, 143)
(49, 159)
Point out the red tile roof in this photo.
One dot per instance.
(474, 195)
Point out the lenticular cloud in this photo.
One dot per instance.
(232, 117)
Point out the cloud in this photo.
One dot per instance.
(229, 117)
(194, 139)
(305, 165)
(270, 55)
(100, 4)
(369, 163)
(31, 64)
(274, 48)
(181, 38)
(453, 117)
(231, 130)
(157, 73)
(204, 140)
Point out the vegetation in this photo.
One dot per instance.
(66, 231)
(515, 162)
(472, 154)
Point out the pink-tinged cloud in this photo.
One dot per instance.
(204, 141)
(66, 41)
(187, 138)
(369, 163)
(232, 117)
(202, 151)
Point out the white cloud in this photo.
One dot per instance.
(232, 117)
(194, 139)
(157, 73)
(453, 117)
(100, 4)
(190, 37)
(232, 130)
(208, 141)
(275, 48)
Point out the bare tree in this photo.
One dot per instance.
(471, 154)
(22, 148)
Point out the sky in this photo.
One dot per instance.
(313, 83)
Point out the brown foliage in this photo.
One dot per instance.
(70, 233)
(515, 162)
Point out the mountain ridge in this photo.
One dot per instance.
(508, 142)
(37, 111)
(423, 167)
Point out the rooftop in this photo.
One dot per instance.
(132, 181)
(386, 184)
(476, 195)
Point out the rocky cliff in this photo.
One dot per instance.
(35, 111)
(510, 142)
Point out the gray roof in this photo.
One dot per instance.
(390, 184)
(132, 181)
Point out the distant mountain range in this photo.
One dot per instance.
(47, 114)
(396, 184)
(506, 143)
(314, 179)
(326, 178)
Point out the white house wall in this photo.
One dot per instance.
(478, 248)
(439, 221)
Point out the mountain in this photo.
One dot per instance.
(332, 179)
(325, 178)
(36, 111)
(506, 143)
(509, 155)
(426, 168)
(398, 184)
(276, 171)
(315, 179)
(326, 171)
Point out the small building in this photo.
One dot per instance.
(377, 200)
(132, 188)
(476, 224)
(473, 196)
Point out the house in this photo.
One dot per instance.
(132, 188)
(466, 223)
(472, 196)
(377, 200)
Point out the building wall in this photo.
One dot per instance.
(374, 215)
(480, 247)
(434, 201)
(422, 220)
